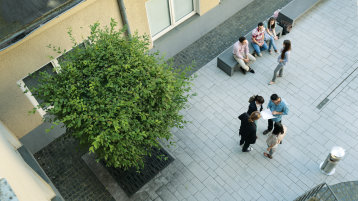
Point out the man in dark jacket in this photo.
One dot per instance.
(255, 103)
(248, 130)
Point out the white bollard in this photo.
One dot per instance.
(328, 167)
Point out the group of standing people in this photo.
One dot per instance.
(259, 36)
(248, 127)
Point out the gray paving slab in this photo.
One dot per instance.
(317, 68)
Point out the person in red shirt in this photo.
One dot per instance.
(258, 39)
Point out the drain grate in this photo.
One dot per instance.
(131, 181)
(321, 104)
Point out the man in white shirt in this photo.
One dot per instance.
(242, 55)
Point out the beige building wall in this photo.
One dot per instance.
(26, 184)
(137, 16)
(31, 54)
(206, 5)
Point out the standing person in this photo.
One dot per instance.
(248, 130)
(278, 133)
(242, 55)
(271, 34)
(255, 103)
(258, 39)
(278, 108)
(282, 60)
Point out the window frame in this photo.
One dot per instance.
(173, 23)
(27, 91)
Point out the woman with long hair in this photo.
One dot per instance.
(278, 133)
(282, 60)
(248, 130)
(270, 34)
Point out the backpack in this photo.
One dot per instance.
(275, 14)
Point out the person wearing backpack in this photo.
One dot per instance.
(256, 102)
(273, 140)
(248, 130)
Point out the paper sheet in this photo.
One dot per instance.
(267, 114)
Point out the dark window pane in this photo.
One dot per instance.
(32, 81)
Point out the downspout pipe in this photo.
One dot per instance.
(122, 10)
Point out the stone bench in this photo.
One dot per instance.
(226, 61)
(294, 10)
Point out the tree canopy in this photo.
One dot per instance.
(115, 96)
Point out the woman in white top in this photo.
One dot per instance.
(278, 133)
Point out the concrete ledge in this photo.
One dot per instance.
(295, 9)
(105, 178)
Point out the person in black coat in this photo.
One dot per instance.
(255, 103)
(248, 130)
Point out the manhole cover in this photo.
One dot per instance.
(131, 181)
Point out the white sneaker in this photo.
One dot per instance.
(260, 54)
(250, 149)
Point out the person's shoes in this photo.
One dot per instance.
(248, 149)
(267, 155)
(260, 54)
(243, 70)
(251, 70)
(276, 51)
(270, 51)
(265, 132)
(271, 83)
(281, 142)
(254, 54)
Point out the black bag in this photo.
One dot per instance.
(286, 27)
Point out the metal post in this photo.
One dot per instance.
(328, 166)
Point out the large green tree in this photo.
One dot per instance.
(115, 96)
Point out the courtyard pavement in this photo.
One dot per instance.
(209, 163)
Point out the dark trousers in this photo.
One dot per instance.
(246, 144)
(270, 124)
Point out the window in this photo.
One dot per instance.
(164, 15)
(32, 80)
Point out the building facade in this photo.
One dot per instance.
(26, 56)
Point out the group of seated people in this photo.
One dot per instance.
(260, 35)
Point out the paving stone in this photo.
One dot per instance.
(198, 171)
(165, 194)
(61, 160)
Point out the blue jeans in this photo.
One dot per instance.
(272, 43)
(257, 48)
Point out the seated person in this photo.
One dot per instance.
(270, 34)
(258, 39)
(242, 55)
